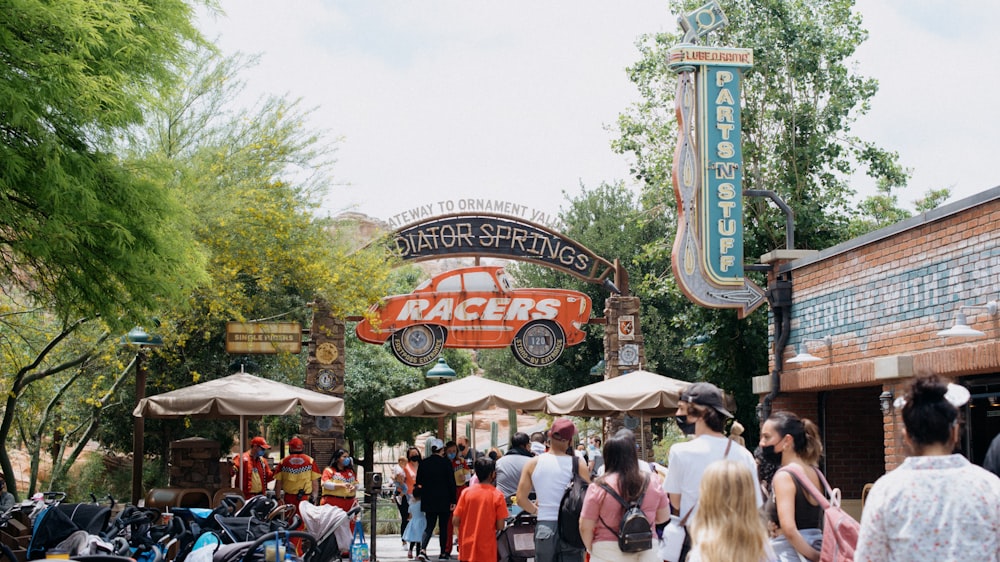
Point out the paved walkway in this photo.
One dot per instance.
(389, 548)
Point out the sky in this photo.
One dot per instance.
(437, 102)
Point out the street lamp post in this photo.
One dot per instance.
(442, 372)
(139, 338)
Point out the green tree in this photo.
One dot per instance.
(251, 179)
(800, 100)
(87, 233)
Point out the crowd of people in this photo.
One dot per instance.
(730, 504)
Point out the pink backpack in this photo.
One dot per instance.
(840, 530)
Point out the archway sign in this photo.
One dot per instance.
(707, 256)
(501, 236)
(478, 307)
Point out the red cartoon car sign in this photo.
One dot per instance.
(477, 307)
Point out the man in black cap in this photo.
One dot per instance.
(702, 412)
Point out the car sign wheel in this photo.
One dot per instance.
(539, 344)
(417, 345)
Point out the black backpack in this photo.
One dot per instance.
(635, 532)
(570, 507)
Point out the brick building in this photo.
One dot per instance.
(871, 309)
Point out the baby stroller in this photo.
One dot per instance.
(516, 542)
(272, 547)
(331, 527)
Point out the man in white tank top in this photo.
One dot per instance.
(549, 474)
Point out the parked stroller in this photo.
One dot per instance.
(279, 546)
(516, 542)
(331, 527)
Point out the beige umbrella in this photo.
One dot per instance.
(640, 392)
(469, 394)
(236, 396)
(240, 396)
(645, 393)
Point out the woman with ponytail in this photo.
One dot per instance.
(790, 440)
(936, 505)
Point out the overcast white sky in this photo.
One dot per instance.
(440, 100)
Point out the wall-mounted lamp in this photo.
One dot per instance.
(961, 328)
(885, 402)
(805, 357)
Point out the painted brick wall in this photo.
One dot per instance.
(892, 296)
(888, 295)
(854, 439)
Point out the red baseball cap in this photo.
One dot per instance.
(295, 444)
(563, 428)
(259, 442)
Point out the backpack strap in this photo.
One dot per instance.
(624, 504)
(796, 472)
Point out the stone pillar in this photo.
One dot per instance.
(194, 463)
(324, 373)
(624, 351)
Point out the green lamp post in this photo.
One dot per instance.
(442, 372)
(139, 338)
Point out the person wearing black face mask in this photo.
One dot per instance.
(702, 412)
(789, 440)
(686, 427)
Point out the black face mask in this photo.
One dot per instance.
(461, 448)
(770, 455)
(414, 458)
(685, 427)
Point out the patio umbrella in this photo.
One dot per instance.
(468, 394)
(239, 396)
(641, 392)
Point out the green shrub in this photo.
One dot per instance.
(102, 475)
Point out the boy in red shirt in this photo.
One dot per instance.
(480, 513)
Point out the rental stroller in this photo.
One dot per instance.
(278, 546)
(331, 527)
(516, 542)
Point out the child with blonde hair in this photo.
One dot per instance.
(727, 526)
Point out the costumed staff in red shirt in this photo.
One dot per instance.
(297, 476)
(340, 485)
(256, 472)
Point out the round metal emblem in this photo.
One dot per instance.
(326, 353)
(325, 379)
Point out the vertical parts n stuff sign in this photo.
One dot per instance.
(707, 175)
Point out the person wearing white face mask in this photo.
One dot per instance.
(256, 472)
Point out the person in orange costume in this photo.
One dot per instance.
(297, 475)
(256, 472)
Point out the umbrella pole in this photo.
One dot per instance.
(243, 440)
(473, 435)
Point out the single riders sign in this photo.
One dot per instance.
(707, 175)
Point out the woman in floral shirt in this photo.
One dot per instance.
(936, 505)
